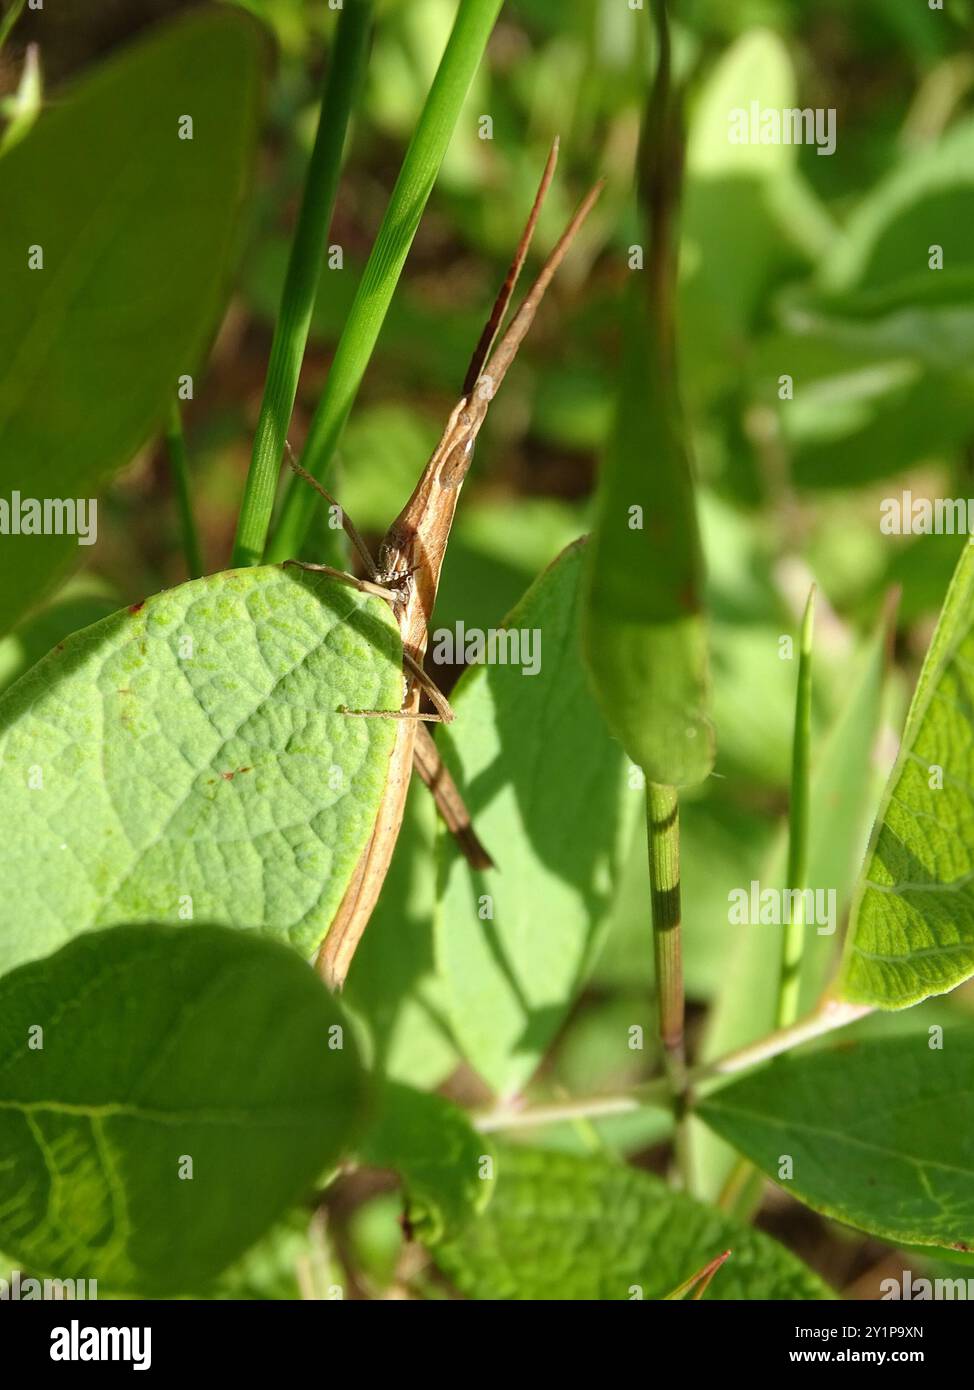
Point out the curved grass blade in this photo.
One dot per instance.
(464, 51)
(342, 86)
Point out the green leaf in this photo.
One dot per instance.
(539, 771)
(881, 263)
(187, 756)
(137, 228)
(739, 198)
(497, 549)
(269, 1269)
(560, 1227)
(756, 67)
(880, 350)
(871, 399)
(392, 985)
(440, 1157)
(643, 631)
(162, 1044)
(912, 928)
(80, 603)
(879, 1133)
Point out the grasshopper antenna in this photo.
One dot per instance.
(482, 350)
(500, 360)
(351, 531)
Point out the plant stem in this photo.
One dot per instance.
(661, 186)
(339, 93)
(461, 58)
(793, 940)
(741, 1194)
(176, 446)
(663, 827)
(585, 1108)
(830, 1015)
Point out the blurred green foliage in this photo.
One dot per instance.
(792, 265)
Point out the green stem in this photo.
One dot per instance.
(663, 827)
(742, 1192)
(558, 1112)
(660, 181)
(831, 1014)
(464, 51)
(793, 941)
(338, 97)
(176, 446)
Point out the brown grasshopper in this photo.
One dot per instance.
(407, 575)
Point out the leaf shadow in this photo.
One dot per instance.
(553, 755)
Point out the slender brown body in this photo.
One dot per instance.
(410, 560)
(412, 556)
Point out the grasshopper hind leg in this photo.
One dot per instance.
(444, 710)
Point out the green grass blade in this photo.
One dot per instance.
(793, 940)
(338, 97)
(23, 107)
(471, 31)
(9, 19)
(176, 448)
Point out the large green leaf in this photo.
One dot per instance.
(272, 1269)
(912, 928)
(880, 1133)
(539, 772)
(188, 756)
(644, 634)
(392, 985)
(161, 1045)
(560, 1227)
(137, 228)
(440, 1157)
